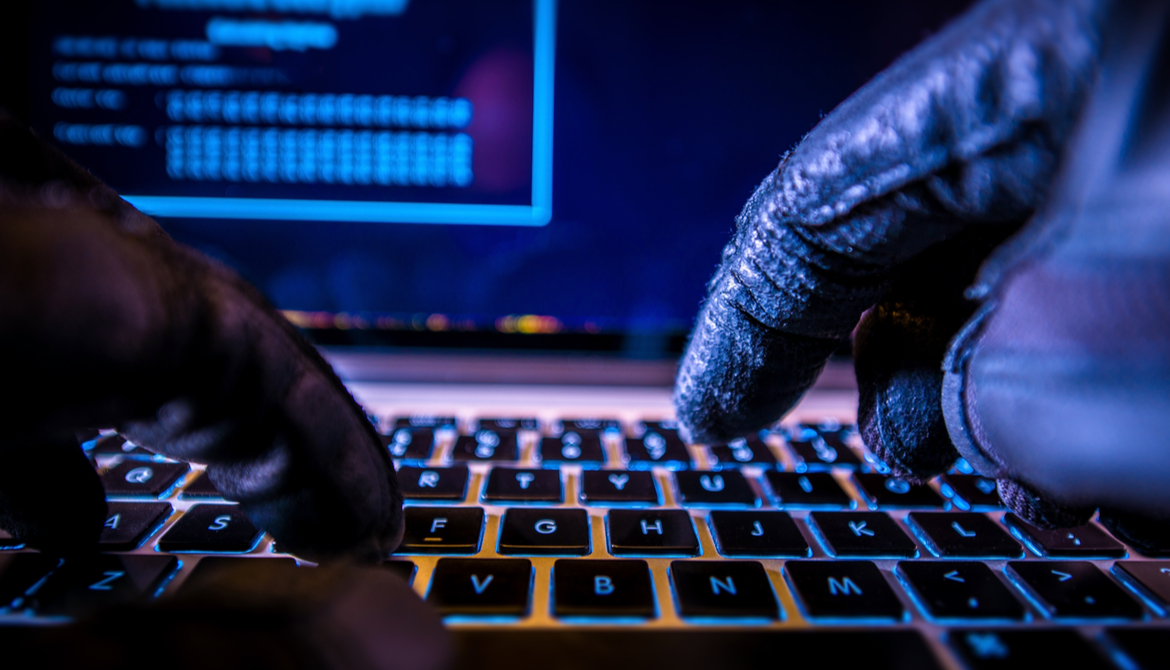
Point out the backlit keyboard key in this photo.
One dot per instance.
(757, 534)
(814, 454)
(142, 478)
(744, 451)
(442, 530)
(507, 424)
(1143, 648)
(410, 444)
(656, 532)
(201, 488)
(1025, 649)
(869, 534)
(1075, 589)
(664, 426)
(587, 425)
(128, 524)
(523, 485)
(425, 421)
(975, 491)
(487, 445)
(1086, 541)
(545, 531)
(609, 486)
(211, 528)
(1152, 577)
(116, 445)
(84, 585)
(18, 574)
(843, 590)
(951, 534)
(419, 483)
(882, 491)
(571, 447)
(737, 589)
(402, 568)
(610, 588)
(211, 570)
(657, 449)
(728, 487)
(960, 590)
(807, 489)
(481, 586)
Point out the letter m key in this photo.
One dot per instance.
(844, 587)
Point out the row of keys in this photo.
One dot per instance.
(651, 448)
(202, 528)
(703, 488)
(566, 531)
(826, 590)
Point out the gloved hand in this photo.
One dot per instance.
(107, 322)
(1049, 113)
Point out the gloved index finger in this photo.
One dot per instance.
(115, 324)
(964, 130)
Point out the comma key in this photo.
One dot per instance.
(433, 483)
(211, 528)
(960, 590)
(481, 586)
(843, 589)
(609, 588)
(442, 530)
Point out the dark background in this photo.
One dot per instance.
(667, 114)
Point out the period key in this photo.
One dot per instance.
(609, 588)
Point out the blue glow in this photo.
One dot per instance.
(279, 35)
(162, 585)
(598, 618)
(538, 213)
(839, 621)
(829, 551)
(1036, 602)
(1139, 590)
(908, 587)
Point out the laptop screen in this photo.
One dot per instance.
(430, 171)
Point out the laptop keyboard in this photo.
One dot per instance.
(601, 524)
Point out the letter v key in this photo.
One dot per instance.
(480, 586)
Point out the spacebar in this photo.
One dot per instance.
(681, 650)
